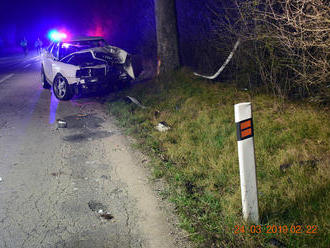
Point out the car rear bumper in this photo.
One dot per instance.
(98, 85)
(87, 86)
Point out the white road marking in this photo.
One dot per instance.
(35, 58)
(26, 66)
(6, 77)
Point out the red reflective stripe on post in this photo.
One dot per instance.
(245, 124)
(244, 129)
(245, 133)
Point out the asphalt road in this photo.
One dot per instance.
(55, 180)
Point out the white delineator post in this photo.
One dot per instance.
(247, 166)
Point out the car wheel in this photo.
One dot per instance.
(61, 88)
(44, 82)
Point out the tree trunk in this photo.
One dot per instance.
(167, 35)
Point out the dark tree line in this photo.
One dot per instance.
(284, 48)
(285, 43)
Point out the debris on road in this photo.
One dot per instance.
(61, 124)
(100, 209)
(56, 174)
(0, 179)
(107, 216)
(162, 126)
(134, 100)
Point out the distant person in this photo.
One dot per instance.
(38, 45)
(24, 46)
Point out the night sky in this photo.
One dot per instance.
(31, 18)
(128, 24)
(119, 21)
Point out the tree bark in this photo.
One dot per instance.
(167, 35)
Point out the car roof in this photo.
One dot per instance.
(82, 38)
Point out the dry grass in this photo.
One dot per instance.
(198, 156)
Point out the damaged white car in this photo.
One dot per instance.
(84, 64)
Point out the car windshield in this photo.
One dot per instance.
(75, 46)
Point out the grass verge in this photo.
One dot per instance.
(198, 157)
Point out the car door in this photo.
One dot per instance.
(67, 70)
(47, 61)
(52, 59)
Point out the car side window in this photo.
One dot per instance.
(55, 50)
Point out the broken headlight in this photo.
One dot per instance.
(82, 73)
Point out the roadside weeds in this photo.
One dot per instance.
(198, 158)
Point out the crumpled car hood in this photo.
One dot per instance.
(118, 53)
(108, 55)
(114, 55)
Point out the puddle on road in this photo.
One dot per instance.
(87, 136)
(83, 121)
(96, 206)
(87, 123)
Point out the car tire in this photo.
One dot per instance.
(62, 89)
(44, 82)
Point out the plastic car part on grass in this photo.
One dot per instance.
(133, 100)
(223, 66)
(162, 127)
